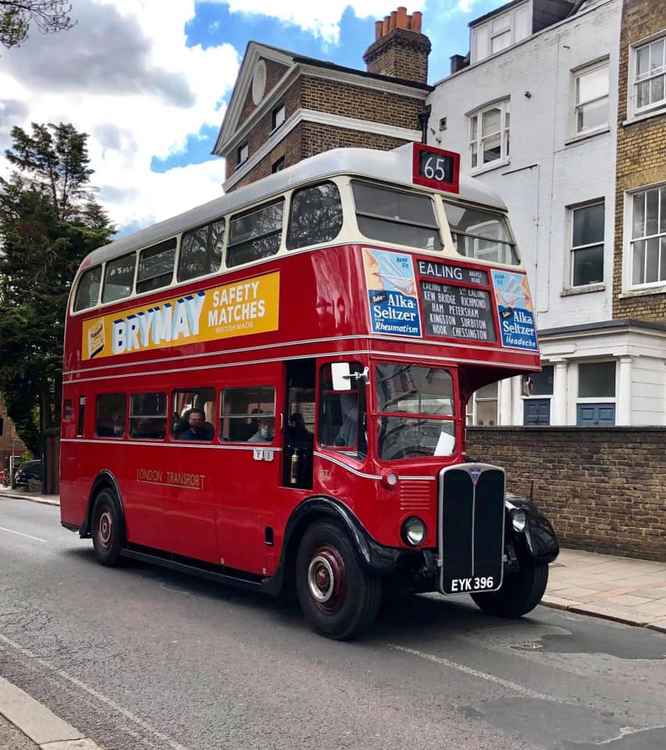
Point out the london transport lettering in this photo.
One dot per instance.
(236, 309)
(392, 299)
(171, 478)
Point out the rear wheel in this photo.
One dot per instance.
(339, 598)
(107, 528)
(520, 593)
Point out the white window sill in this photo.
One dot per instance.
(644, 292)
(587, 289)
(489, 167)
(586, 136)
(644, 116)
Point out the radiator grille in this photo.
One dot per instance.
(416, 495)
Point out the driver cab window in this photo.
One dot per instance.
(342, 419)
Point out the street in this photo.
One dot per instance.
(139, 657)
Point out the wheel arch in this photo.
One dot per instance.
(374, 557)
(105, 479)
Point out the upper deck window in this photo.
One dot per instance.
(256, 234)
(156, 266)
(119, 278)
(481, 234)
(396, 216)
(316, 215)
(201, 250)
(88, 290)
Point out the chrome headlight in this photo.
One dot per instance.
(413, 531)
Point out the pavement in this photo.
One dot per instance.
(616, 588)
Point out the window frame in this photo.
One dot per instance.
(471, 410)
(577, 73)
(220, 416)
(295, 192)
(132, 291)
(282, 197)
(171, 404)
(280, 108)
(225, 219)
(476, 141)
(634, 82)
(98, 267)
(125, 432)
(240, 160)
(431, 196)
(130, 415)
(598, 400)
(573, 249)
(160, 247)
(630, 239)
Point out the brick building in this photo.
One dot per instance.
(286, 107)
(639, 271)
(10, 442)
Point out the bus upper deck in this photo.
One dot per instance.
(416, 259)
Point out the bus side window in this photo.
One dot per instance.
(81, 420)
(201, 251)
(315, 215)
(156, 266)
(193, 414)
(255, 234)
(248, 414)
(87, 291)
(148, 415)
(119, 278)
(110, 415)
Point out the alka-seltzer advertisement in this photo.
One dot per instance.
(392, 299)
(239, 308)
(515, 310)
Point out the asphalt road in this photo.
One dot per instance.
(139, 657)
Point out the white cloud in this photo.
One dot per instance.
(319, 18)
(126, 76)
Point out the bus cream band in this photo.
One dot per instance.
(237, 309)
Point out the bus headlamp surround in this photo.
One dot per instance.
(413, 531)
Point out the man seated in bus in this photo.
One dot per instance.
(197, 427)
(264, 433)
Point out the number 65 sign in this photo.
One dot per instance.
(435, 168)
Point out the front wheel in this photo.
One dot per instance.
(520, 593)
(338, 597)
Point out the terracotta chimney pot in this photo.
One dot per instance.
(417, 17)
(402, 18)
(385, 25)
(378, 29)
(394, 18)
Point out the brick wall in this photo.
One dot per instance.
(306, 139)
(603, 489)
(641, 155)
(402, 53)
(9, 440)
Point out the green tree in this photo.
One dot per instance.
(49, 221)
(16, 16)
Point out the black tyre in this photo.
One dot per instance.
(338, 597)
(108, 531)
(520, 593)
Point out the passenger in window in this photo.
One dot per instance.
(197, 427)
(264, 433)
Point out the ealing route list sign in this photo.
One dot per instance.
(457, 312)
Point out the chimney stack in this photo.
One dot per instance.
(400, 50)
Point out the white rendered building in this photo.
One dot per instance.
(533, 110)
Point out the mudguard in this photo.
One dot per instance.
(538, 540)
(373, 556)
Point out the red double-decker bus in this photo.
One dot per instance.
(270, 390)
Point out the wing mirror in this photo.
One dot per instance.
(343, 377)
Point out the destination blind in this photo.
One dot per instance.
(457, 312)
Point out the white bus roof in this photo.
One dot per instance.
(380, 166)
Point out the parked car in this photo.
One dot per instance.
(27, 471)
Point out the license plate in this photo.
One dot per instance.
(471, 584)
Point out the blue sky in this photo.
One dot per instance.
(444, 21)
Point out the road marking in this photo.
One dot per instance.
(156, 734)
(20, 533)
(509, 684)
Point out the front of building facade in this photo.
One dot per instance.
(538, 110)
